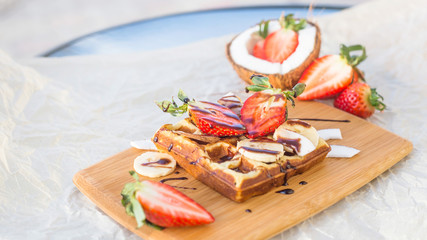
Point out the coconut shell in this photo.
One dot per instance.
(283, 81)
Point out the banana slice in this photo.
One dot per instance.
(154, 164)
(297, 135)
(262, 150)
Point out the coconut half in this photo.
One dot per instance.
(285, 75)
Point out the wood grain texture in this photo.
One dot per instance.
(272, 213)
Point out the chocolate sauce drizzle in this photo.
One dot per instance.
(163, 161)
(286, 191)
(225, 158)
(257, 150)
(302, 183)
(230, 101)
(248, 210)
(211, 116)
(292, 143)
(179, 178)
(321, 119)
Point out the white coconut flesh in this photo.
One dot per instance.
(242, 46)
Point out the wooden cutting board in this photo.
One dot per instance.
(272, 213)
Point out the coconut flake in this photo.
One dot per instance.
(340, 151)
(143, 144)
(331, 133)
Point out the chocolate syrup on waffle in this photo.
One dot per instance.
(288, 166)
(257, 150)
(225, 158)
(293, 143)
(286, 191)
(170, 147)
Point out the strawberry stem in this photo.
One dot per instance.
(132, 206)
(262, 83)
(289, 22)
(295, 92)
(263, 28)
(376, 99)
(353, 60)
(173, 108)
(129, 201)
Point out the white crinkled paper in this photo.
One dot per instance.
(58, 116)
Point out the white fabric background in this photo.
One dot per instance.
(58, 116)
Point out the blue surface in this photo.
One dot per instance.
(176, 30)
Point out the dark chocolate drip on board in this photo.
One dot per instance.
(170, 179)
(321, 119)
(286, 191)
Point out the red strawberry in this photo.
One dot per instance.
(259, 50)
(162, 205)
(359, 99)
(262, 33)
(331, 74)
(210, 118)
(266, 110)
(215, 119)
(280, 44)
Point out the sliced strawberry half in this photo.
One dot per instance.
(263, 112)
(329, 75)
(162, 205)
(258, 50)
(215, 119)
(211, 118)
(280, 44)
(266, 109)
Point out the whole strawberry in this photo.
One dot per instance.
(360, 99)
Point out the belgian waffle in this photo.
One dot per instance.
(216, 161)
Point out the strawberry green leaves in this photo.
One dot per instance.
(289, 22)
(375, 99)
(172, 107)
(263, 29)
(353, 60)
(266, 109)
(261, 83)
(129, 201)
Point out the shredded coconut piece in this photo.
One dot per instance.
(340, 151)
(331, 133)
